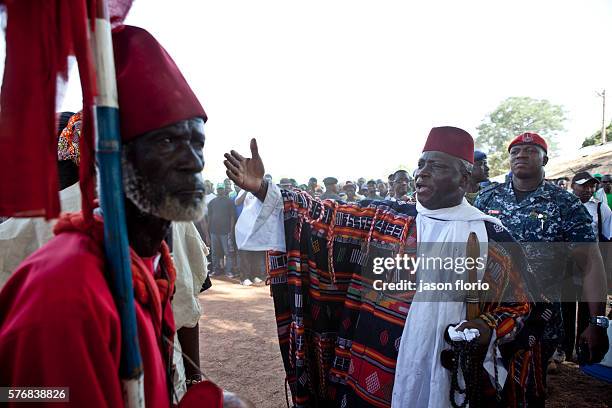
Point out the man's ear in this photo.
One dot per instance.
(544, 160)
(465, 180)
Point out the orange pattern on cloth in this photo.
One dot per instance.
(68, 142)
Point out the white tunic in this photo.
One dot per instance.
(420, 379)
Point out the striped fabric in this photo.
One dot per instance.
(339, 338)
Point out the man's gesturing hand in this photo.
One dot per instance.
(246, 173)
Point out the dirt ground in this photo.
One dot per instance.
(239, 351)
(570, 387)
(238, 342)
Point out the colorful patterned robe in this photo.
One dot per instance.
(339, 337)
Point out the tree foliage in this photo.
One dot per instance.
(512, 117)
(596, 137)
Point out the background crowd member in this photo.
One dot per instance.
(209, 194)
(285, 183)
(391, 188)
(604, 194)
(351, 192)
(402, 184)
(480, 174)
(363, 188)
(542, 216)
(331, 189)
(383, 189)
(221, 220)
(227, 183)
(583, 185)
(563, 182)
(372, 192)
(251, 264)
(312, 185)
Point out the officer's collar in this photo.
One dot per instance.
(541, 191)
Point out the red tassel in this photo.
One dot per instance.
(40, 35)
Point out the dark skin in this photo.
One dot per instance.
(222, 192)
(584, 191)
(171, 156)
(248, 174)
(372, 190)
(189, 337)
(440, 181)
(401, 182)
(285, 183)
(350, 192)
(606, 183)
(527, 163)
(480, 173)
(331, 188)
(382, 187)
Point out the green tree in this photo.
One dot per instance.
(512, 117)
(596, 137)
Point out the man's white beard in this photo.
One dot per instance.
(155, 200)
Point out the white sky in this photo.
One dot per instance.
(350, 88)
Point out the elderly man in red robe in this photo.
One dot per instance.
(59, 325)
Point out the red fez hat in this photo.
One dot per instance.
(529, 138)
(152, 91)
(451, 140)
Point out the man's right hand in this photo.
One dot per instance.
(246, 173)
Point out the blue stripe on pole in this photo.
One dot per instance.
(108, 154)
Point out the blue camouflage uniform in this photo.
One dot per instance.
(547, 215)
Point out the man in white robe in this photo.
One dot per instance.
(443, 223)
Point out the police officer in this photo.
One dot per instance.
(551, 224)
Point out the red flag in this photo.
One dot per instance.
(40, 35)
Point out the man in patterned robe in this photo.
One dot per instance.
(345, 341)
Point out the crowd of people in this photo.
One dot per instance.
(343, 341)
(225, 203)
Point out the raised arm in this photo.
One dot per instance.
(247, 173)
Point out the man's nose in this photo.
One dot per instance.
(192, 160)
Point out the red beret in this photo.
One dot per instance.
(152, 91)
(451, 140)
(529, 138)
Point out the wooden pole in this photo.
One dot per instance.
(108, 155)
(472, 297)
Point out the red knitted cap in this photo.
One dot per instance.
(152, 91)
(451, 140)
